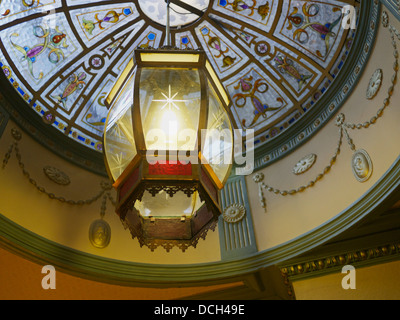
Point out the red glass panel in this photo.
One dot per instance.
(170, 169)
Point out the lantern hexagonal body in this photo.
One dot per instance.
(168, 146)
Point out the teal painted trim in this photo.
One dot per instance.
(331, 102)
(378, 198)
(392, 7)
(236, 239)
(4, 117)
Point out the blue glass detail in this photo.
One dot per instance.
(127, 11)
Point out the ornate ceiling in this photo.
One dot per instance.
(277, 59)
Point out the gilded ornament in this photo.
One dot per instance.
(106, 185)
(258, 177)
(361, 165)
(16, 134)
(234, 213)
(100, 233)
(304, 164)
(340, 119)
(374, 84)
(385, 19)
(56, 175)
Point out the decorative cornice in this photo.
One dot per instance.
(334, 263)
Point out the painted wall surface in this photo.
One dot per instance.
(21, 279)
(379, 282)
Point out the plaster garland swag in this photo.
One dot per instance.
(361, 162)
(99, 230)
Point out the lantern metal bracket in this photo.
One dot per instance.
(186, 6)
(183, 5)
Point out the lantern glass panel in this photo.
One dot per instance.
(170, 100)
(218, 141)
(119, 142)
(163, 205)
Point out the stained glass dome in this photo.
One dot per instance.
(276, 59)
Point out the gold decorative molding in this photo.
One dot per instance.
(289, 286)
(334, 262)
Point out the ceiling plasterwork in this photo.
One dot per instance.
(361, 162)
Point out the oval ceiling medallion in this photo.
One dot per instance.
(361, 165)
(100, 233)
(304, 164)
(56, 175)
(374, 84)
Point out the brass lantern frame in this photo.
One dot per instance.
(141, 176)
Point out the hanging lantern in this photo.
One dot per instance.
(168, 145)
